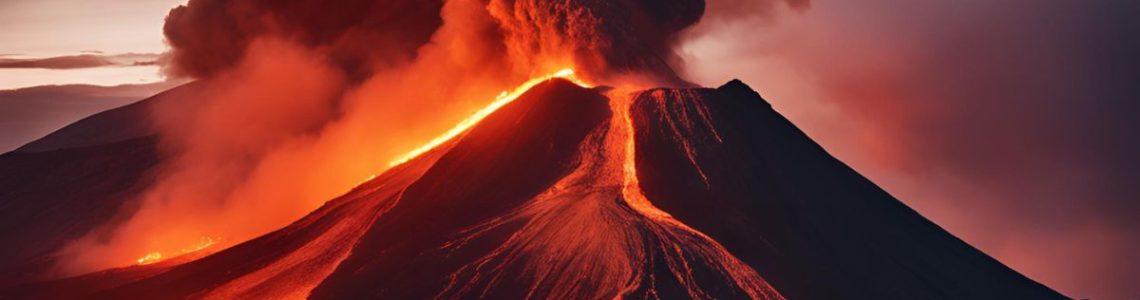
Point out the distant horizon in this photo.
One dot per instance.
(58, 27)
(36, 29)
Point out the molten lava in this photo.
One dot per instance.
(678, 241)
(632, 247)
(503, 99)
(154, 257)
(150, 258)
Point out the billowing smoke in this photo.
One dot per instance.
(601, 37)
(211, 36)
(276, 95)
(302, 100)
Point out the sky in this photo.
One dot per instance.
(58, 27)
(1007, 122)
(47, 28)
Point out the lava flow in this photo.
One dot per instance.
(155, 257)
(503, 99)
(595, 223)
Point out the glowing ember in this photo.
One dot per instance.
(150, 258)
(503, 98)
(370, 178)
(154, 257)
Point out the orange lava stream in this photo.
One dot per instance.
(155, 257)
(503, 99)
(620, 103)
(673, 235)
(594, 235)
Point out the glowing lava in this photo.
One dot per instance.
(150, 258)
(154, 257)
(677, 240)
(574, 241)
(503, 99)
(622, 125)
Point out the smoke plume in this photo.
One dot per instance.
(210, 36)
(601, 37)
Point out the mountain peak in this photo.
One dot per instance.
(740, 89)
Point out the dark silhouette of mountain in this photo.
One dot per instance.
(722, 161)
(83, 177)
(119, 124)
(28, 114)
(725, 200)
(48, 199)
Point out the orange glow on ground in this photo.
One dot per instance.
(150, 258)
(503, 99)
(154, 257)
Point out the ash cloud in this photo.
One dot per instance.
(210, 36)
(602, 37)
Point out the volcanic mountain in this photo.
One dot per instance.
(567, 192)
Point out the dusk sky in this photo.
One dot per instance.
(47, 28)
(1008, 122)
(59, 27)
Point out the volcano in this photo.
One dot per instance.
(567, 192)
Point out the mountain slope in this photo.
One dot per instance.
(48, 199)
(119, 124)
(577, 193)
(30, 113)
(722, 161)
(80, 178)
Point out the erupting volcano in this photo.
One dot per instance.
(605, 176)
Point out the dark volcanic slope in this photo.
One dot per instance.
(50, 198)
(723, 162)
(508, 159)
(119, 124)
(76, 179)
(531, 205)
